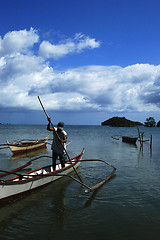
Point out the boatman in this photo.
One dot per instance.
(58, 144)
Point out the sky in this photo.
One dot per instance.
(88, 60)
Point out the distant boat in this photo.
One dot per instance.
(22, 146)
(129, 139)
(126, 139)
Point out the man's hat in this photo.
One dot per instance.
(60, 125)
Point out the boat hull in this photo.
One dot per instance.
(129, 139)
(12, 188)
(22, 148)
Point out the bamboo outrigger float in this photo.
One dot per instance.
(22, 146)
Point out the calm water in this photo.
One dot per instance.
(127, 207)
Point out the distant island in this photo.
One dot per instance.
(120, 122)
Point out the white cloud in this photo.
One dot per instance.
(87, 43)
(18, 41)
(48, 50)
(80, 42)
(24, 76)
(98, 88)
(104, 88)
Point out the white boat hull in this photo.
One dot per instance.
(13, 187)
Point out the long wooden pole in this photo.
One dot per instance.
(60, 141)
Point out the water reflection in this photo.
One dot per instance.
(130, 201)
(94, 193)
(46, 205)
(30, 154)
(57, 212)
(18, 160)
(145, 151)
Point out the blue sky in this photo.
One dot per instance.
(87, 60)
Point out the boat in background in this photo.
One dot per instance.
(11, 188)
(22, 146)
(129, 139)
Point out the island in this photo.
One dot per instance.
(120, 122)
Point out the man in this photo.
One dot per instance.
(58, 144)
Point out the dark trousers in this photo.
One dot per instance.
(55, 156)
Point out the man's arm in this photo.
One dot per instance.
(64, 140)
(49, 125)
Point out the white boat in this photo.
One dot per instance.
(21, 184)
(22, 146)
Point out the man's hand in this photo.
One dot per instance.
(49, 120)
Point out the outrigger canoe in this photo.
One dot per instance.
(22, 146)
(21, 184)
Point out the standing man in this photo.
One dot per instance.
(58, 144)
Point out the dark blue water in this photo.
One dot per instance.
(127, 207)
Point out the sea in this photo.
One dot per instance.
(126, 207)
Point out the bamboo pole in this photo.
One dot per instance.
(151, 142)
(60, 141)
(139, 137)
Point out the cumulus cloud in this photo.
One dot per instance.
(79, 43)
(24, 75)
(18, 41)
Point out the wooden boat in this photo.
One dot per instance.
(21, 184)
(21, 146)
(128, 139)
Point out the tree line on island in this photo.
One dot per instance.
(123, 122)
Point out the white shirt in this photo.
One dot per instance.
(58, 146)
